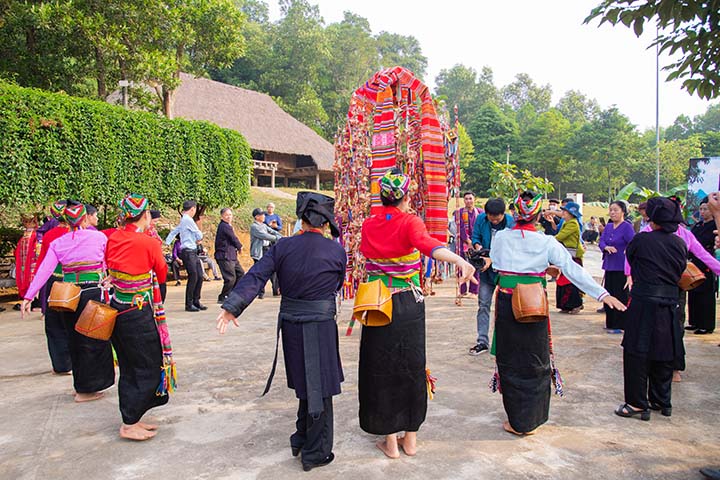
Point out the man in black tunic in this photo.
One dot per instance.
(310, 270)
(651, 340)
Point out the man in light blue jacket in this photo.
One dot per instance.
(487, 224)
(190, 235)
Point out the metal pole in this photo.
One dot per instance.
(657, 110)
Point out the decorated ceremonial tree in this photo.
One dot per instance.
(392, 122)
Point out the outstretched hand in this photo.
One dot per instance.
(223, 318)
(467, 271)
(613, 302)
(25, 308)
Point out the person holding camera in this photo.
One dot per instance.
(486, 226)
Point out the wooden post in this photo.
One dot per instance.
(286, 181)
(272, 178)
(317, 181)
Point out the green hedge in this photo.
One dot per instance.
(54, 146)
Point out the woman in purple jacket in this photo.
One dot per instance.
(613, 241)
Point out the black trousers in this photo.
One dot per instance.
(679, 362)
(195, 276)
(175, 266)
(313, 436)
(273, 278)
(231, 271)
(647, 379)
(58, 339)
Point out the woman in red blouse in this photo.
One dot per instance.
(392, 379)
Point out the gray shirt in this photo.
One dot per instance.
(260, 233)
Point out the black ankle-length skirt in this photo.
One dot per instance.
(391, 378)
(92, 360)
(137, 344)
(523, 361)
(615, 285)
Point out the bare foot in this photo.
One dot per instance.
(390, 451)
(88, 397)
(676, 376)
(508, 428)
(409, 446)
(147, 426)
(135, 432)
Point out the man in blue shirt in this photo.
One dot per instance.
(272, 219)
(486, 226)
(190, 235)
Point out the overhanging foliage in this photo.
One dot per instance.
(53, 145)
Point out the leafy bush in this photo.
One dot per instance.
(54, 146)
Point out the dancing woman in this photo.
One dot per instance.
(392, 375)
(81, 255)
(522, 255)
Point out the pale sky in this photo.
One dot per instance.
(545, 39)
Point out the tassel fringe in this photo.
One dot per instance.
(494, 384)
(430, 382)
(168, 377)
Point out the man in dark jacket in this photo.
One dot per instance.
(311, 271)
(227, 247)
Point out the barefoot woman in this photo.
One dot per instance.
(131, 257)
(81, 254)
(522, 255)
(392, 389)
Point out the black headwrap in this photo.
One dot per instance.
(317, 209)
(665, 213)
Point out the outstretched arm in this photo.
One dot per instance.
(246, 290)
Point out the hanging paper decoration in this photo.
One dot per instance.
(391, 122)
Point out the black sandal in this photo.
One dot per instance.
(627, 411)
(665, 411)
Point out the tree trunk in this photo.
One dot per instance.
(31, 45)
(101, 74)
(168, 99)
(609, 185)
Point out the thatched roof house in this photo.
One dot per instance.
(282, 146)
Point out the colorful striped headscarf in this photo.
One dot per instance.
(133, 205)
(74, 214)
(394, 186)
(57, 209)
(528, 209)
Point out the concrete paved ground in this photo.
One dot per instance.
(216, 426)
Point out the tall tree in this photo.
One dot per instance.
(352, 58)
(545, 150)
(401, 50)
(690, 27)
(492, 133)
(682, 127)
(524, 91)
(37, 49)
(461, 86)
(299, 50)
(577, 107)
(608, 144)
